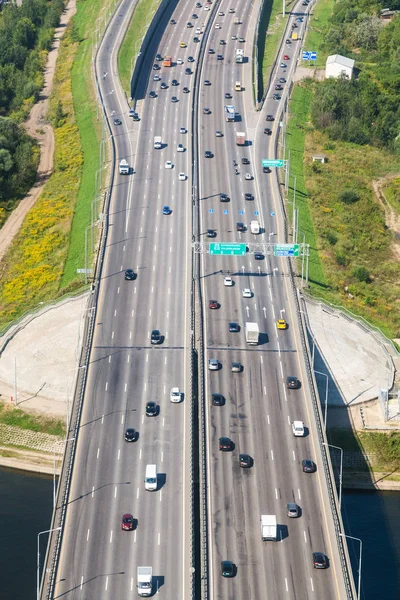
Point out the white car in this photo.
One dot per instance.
(234, 37)
(298, 428)
(221, 14)
(231, 10)
(213, 364)
(248, 176)
(228, 281)
(182, 177)
(179, 61)
(247, 293)
(156, 78)
(168, 164)
(217, 26)
(218, 133)
(207, 82)
(175, 395)
(182, 130)
(206, 8)
(180, 148)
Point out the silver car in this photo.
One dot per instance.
(213, 364)
(292, 510)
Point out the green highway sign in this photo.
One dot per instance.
(272, 163)
(286, 249)
(228, 249)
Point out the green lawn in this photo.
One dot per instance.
(321, 12)
(33, 422)
(131, 44)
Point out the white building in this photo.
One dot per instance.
(337, 66)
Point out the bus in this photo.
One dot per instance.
(230, 113)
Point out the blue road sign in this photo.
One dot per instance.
(211, 210)
(313, 56)
(225, 212)
(306, 55)
(241, 212)
(256, 213)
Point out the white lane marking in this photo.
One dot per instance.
(98, 452)
(102, 419)
(109, 358)
(111, 536)
(288, 419)
(147, 358)
(81, 582)
(132, 313)
(118, 290)
(145, 386)
(132, 577)
(159, 539)
(276, 494)
(119, 454)
(88, 535)
(123, 248)
(130, 337)
(286, 584)
(112, 335)
(162, 456)
(272, 455)
(294, 455)
(165, 360)
(305, 537)
(163, 421)
(299, 494)
(160, 495)
(312, 584)
(92, 491)
(281, 363)
(122, 419)
(285, 394)
(270, 294)
(106, 583)
(142, 419)
(106, 385)
(126, 387)
(265, 391)
(137, 493)
(140, 454)
(168, 314)
(115, 312)
(268, 421)
(115, 492)
(261, 359)
(128, 358)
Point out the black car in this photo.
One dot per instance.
(278, 86)
(188, 71)
(248, 196)
(217, 400)
(267, 131)
(245, 461)
(276, 97)
(269, 118)
(227, 568)
(225, 444)
(159, 57)
(266, 170)
(292, 383)
(174, 82)
(196, 40)
(155, 337)
(130, 275)
(258, 256)
(211, 51)
(164, 86)
(185, 90)
(223, 198)
(130, 435)
(172, 22)
(153, 95)
(234, 327)
(228, 95)
(282, 80)
(151, 409)
(208, 154)
(245, 161)
(190, 59)
(308, 466)
(156, 67)
(117, 122)
(220, 57)
(211, 233)
(240, 227)
(319, 559)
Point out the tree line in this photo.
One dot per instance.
(26, 34)
(366, 109)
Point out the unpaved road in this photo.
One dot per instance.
(38, 127)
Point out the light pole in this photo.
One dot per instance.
(54, 470)
(326, 394)
(38, 560)
(359, 561)
(340, 472)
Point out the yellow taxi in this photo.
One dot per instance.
(281, 324)
(182, 45)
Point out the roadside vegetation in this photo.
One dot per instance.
(26, 32)
(31, 421)
(131, 44)
(319, 25)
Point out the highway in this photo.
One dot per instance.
(98, 559)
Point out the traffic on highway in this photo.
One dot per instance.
(189, 157)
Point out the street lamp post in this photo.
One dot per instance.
(38, 560)
(359, 561)
(340, 472)
(54, 469)
(326, 393)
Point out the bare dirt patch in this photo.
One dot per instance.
(392, 218)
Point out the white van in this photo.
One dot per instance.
(150, 480)
(238, 86)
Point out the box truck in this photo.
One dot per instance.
(144, 581)
(158, 142)
(240, 138)
(255, 227)
(123, 167)
(268, 527)
(252, 333)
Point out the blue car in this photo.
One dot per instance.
(166, 210)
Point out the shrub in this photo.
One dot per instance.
(349, 196)
(331, 237)
(362, 274)
(341, 259)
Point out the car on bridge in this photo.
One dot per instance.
(127, 522)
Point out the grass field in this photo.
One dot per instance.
(131, 44)
(30, 421)
(321, 12)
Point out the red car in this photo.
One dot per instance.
(286, 57)
(127, 522)
(213, 304)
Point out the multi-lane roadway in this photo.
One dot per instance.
(98, 559)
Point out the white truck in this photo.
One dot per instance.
(124, 167)
(255, 227)
(144, 581)
(240, 138)
(268, 528)
(158, 142)
(252, 333)
(239, 55)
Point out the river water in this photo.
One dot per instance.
(26, 507)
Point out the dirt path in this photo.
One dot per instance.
(392, 219)
(38, 127)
